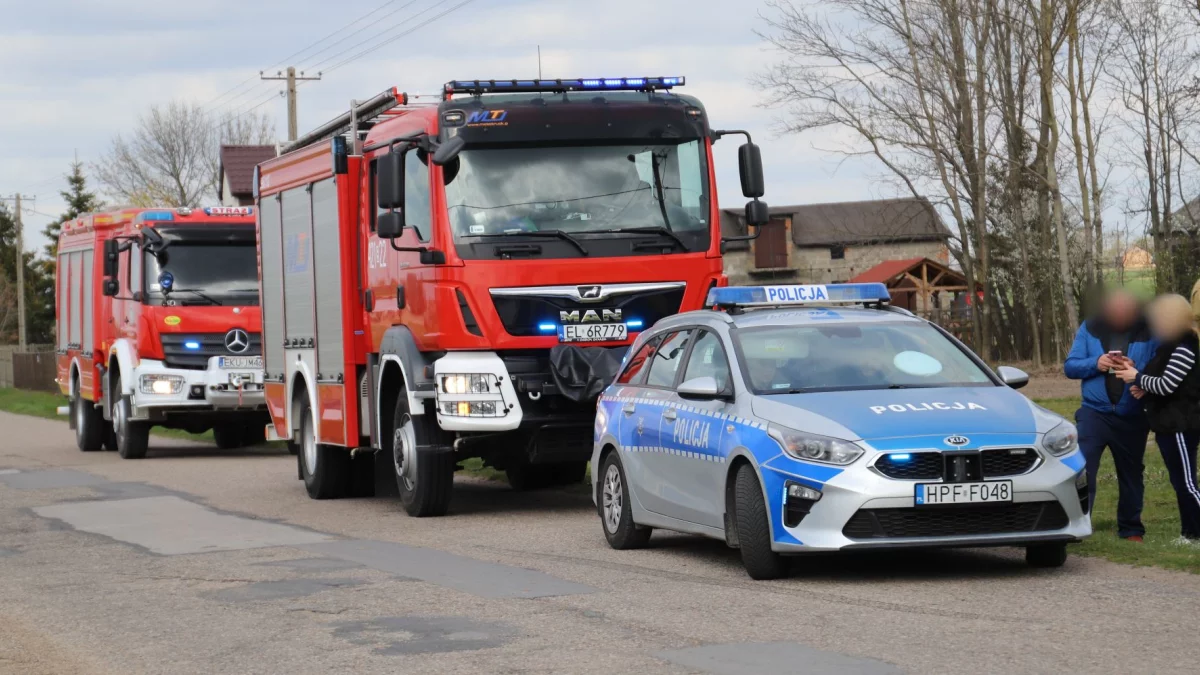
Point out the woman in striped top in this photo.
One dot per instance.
(1170, 386)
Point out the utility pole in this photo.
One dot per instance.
(20, 270)
(291, 79)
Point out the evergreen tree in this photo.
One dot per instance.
(79, 201)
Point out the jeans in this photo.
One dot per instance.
(1126, 438)
(1179, 454)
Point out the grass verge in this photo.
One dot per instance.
(1160, 514)
(45, 404)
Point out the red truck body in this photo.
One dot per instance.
(439, 344)
(120, 331)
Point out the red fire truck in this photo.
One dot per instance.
(158, 324)
(459, 279)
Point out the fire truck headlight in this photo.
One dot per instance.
(479, 383)
(473, 408)
(161, 384)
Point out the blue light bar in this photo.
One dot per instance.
(560, 85)
(192, 344)
(158, 215)
(799, 294)
(634, 323)
(547, 327)
(900, 457)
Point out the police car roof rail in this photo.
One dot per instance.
(736, 299)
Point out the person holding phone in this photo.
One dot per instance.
(1111, 416)
(1170, 388)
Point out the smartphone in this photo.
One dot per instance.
(1115, 354)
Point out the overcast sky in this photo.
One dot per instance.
(76, 72)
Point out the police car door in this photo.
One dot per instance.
(653, 463)
(691, 434)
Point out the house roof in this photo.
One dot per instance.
(237, 165)
(864, 222)
(886, 271)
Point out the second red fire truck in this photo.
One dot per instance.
(158, 325)
(459, 279)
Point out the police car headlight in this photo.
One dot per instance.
(813, 448)
(1061, 439)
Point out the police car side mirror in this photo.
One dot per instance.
(1013, 377)
(701, 388)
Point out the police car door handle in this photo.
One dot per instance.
(628, 408)
(669, 414)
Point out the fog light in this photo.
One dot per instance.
(161, 384)
(798, 500)
(798, 491)
(472, 408)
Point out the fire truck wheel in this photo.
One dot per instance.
(254, 434)
(228, 436)
(133, 438)
(324, 467)
(424, 472)
(89, 424)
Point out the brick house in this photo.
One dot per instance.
(237, 172)
(829, 243)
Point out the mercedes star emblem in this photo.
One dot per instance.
(237, 341)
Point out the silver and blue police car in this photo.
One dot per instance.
(795, 419)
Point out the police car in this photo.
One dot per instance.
(794, 419)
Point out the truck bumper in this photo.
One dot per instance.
(211, 390)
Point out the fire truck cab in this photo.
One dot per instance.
(461, 278)
(158, 325)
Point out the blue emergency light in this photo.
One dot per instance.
(158, 215)
(192, 344)
(798, 294)
(574, 84)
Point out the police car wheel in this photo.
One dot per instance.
(89, 424)
(754, 531)
(616, 513)
(323, 467)
(1046, 555)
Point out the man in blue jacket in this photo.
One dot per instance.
(1111, 416)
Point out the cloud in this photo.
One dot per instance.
(82, 72)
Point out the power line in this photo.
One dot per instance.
(389, 41)
(385, 31)
(331, 46)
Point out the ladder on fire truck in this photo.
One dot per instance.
(362, 116)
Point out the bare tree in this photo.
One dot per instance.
(170, 158)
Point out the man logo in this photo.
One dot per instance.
(237, 341)
(590, 316)
(957, 441)
(589, 292)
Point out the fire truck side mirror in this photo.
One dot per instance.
(112, 257)
(757, 213)
(390, 225)
(751, 170)
(447, 151)
(389, 180)
(111, 287)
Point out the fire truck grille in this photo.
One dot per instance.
(522, 314)
(193, 351)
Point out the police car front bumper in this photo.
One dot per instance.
(859, 508)
(181, 389)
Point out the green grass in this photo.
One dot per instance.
(1139, 282)
(45, 404)
(1160, 514)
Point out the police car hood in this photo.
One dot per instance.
(899, 413)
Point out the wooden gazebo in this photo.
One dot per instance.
(918, 284)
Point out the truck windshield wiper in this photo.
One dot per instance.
(652, 229)
(197, 293)
(554, 234)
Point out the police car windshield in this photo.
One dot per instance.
(797, 359)
(581, 189)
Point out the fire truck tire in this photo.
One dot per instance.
(229, 436)
(89, 424)
(254, 434)
(132, 438)
(424, 472)
(754, 532)
(325, 468)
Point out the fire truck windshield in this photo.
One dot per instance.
(205, 274)
(582, 190)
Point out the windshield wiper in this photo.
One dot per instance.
(651, 229)
(553, 234)
(658, 188)
(198, 293)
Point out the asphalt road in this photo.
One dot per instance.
(197, 560)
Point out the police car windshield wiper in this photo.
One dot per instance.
(198, 294)
(556, 234)
(652, 229)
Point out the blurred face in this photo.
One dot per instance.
(1170, 317)
(1120, 310)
